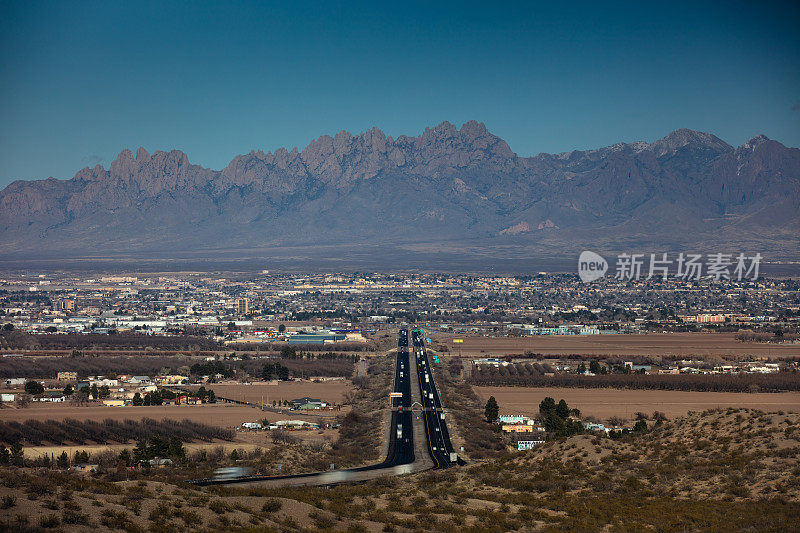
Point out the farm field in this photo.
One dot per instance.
(605, 403)
(656, 344)
(327, 391)
(221, 415)
(247, 441)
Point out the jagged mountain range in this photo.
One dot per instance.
(461, 190)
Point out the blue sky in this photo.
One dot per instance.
(81, 81)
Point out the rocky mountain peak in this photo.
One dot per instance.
(474, 129)
(446, 183)
(755, 142)
(685, 138)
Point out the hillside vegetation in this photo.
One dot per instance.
(719, 470)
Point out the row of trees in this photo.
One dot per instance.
(71, 431)
(157, 446)
(289, 352)
(126, 341)
(47, 367)
(783, 381)
(212, 368)
(274, 370)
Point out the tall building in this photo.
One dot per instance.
(242, 306)
(65, 305)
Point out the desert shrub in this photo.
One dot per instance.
(191, 518)
(272, 505)
(321, 521)
(49, 521)
(51, 504)
(115, 519)
(8, 502)
(71, 516)
(160, 513)
(219, 506)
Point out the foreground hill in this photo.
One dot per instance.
(461, 190)
(722, 470)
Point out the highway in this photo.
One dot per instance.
(400, 457)
(437, 435)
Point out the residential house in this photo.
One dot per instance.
(308, 403)
(50, 396)
(171, 380)
(103, 382)
(83, 468)
(513, 419)
(518, 428)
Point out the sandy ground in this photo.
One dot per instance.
(604, 403)
(327, 391)
(657, 344)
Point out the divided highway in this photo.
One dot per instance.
(400, 458)
(437, 435)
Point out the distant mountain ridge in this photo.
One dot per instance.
(462, 190)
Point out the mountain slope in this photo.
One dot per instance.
(463, 186)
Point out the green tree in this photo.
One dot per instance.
(562, 410)
(81, 457)
(68, 390)
(281, 328)
(16, 454)
(94, 392)
(594, 367)
(63, 460)
(492, 410)
(176, 448)
(288, 353)
(640, 426)
(212, 398)
(124, 457)
(5, 455)
(155, 398)
(140, 452)
(547, 406)
(234, 455)
(283, 373)
(33, 387)
(137, 399)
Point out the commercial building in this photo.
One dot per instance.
(316, 338)
(528, 444)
